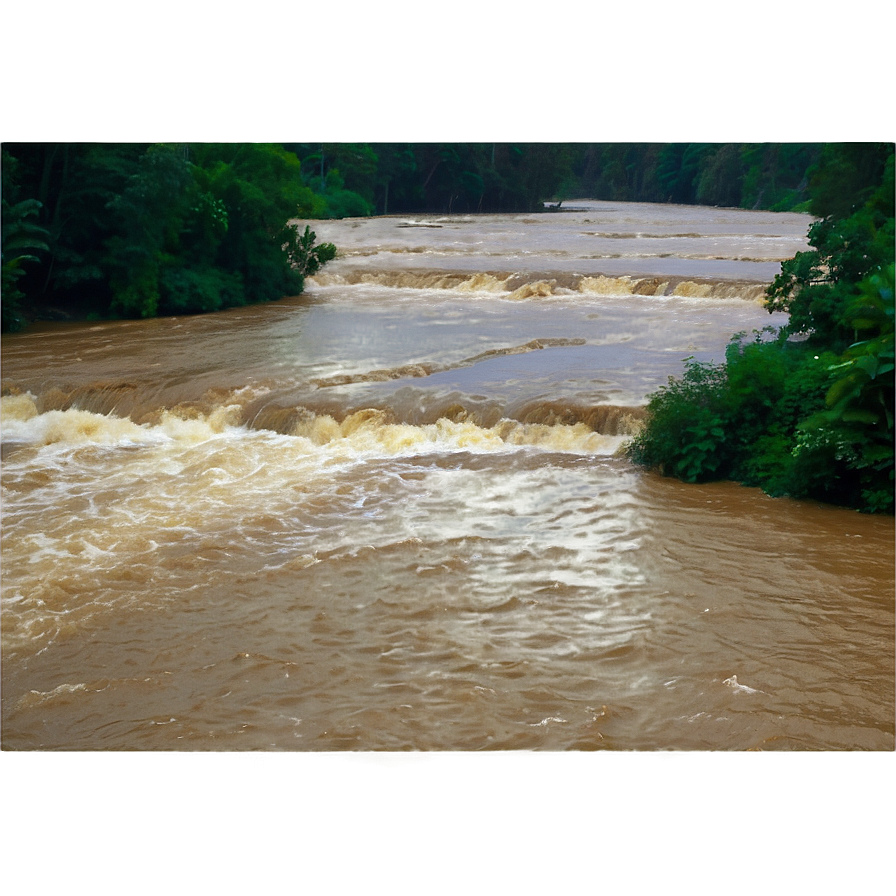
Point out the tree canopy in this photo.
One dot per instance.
(384, 178)
(137, 230)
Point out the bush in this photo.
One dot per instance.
(778, 416)
(853, 432)
(685, 430)
(304, 255)
(199, 290)
(738, 420)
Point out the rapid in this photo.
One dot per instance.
(393, 513)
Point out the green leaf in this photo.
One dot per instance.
(869, 364)
(860, 417)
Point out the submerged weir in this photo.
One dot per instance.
(392, 513)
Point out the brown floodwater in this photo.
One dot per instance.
(391, 514)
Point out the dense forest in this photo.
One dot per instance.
(138, 230)
(806, 411)
(383, 178)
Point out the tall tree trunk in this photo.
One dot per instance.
(54, 227)
(47, 173)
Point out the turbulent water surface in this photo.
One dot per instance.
(392, 514)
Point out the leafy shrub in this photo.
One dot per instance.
(22, 237)
(306, 257)
(346, 204)
(737, 420)
(199, 290)
(337, 201)
(137, 296)
(686, 426)
(854, 429)
(778, 416)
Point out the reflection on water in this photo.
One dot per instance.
(392, 515)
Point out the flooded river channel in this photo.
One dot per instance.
(392, 513)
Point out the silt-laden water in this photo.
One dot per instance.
(391, 514)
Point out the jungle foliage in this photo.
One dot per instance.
(139, 230)
(354, 179)
(391, 178)
(771, 176)
(807, 411)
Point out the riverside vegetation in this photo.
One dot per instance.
(806, 411)
(135, 230)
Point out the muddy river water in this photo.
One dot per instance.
(391, 513)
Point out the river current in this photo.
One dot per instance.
(392, 513)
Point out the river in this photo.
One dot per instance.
(391, 513)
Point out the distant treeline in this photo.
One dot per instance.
(138, 230)
(354, 179)
(743, 175)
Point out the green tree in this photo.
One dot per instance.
(853, 434)
(149, 215)
(720, 179)
(396, 175)
(74, 183)
(679, 168)
(342, 178)
(356, 165)
(776, 175)
(22, 240)
(853, 240)
(306, 256)
(339, 202)
(259, 188)
(136, 230)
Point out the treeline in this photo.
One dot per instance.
(139, 230)
(808, 411)
(771, 176)
(354, 179)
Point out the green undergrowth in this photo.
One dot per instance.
(785, 415)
